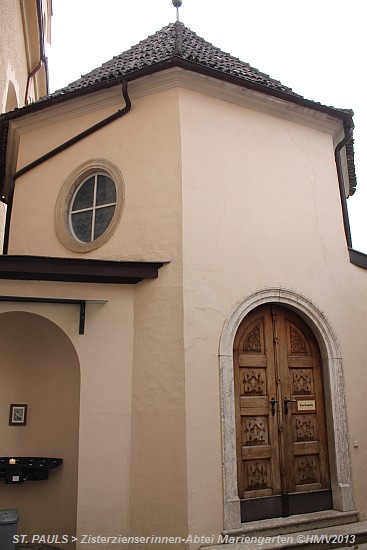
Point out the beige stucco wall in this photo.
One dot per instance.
(235, 200)
(20, 52)
(13, 67)
(352, 327)
(260, 209)
(19, 39)
(105, 356)
(147, 468)
(13, 62)
(143, 145)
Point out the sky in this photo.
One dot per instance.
(317, 48)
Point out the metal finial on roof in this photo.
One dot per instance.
(177, 4)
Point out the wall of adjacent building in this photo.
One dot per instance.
(20, 54)
(13, 66)
(13, 60)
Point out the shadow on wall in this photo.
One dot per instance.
(39, 367)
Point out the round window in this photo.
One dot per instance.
(92, 207)
(89, 205)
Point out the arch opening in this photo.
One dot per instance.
(40, 368)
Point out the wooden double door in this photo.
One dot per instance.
(282, 457)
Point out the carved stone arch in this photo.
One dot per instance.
(335, 401)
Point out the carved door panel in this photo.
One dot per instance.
(280, 418)
(255, 386)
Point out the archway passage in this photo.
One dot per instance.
(282, 456)
(40, 367)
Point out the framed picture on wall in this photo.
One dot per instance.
(18, 415)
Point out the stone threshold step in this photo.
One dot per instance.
(337, 536)
(299, 522)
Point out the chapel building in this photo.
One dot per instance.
(181, 308)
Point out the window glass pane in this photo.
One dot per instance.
(84, 197)
(102, 220)
(106, 191)
(82, 225)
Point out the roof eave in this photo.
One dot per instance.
(192, 66)
(39, 268)
(175, 61)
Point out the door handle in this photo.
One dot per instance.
(286, 402)
(272, 403)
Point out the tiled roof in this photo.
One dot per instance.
(175, 41)
(177, 45)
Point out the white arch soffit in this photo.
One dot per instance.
(335, 401)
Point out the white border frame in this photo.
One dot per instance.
(335, 401)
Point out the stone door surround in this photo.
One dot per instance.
(335, 401)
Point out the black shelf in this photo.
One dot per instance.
(26, 468)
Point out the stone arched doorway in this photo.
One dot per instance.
(339, 458)
(39, 367)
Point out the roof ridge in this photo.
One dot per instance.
(178, 45)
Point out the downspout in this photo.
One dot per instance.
(120, 113)
(43, 58)
(30, 76)
(343, 198)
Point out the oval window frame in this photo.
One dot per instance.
(64, 200)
